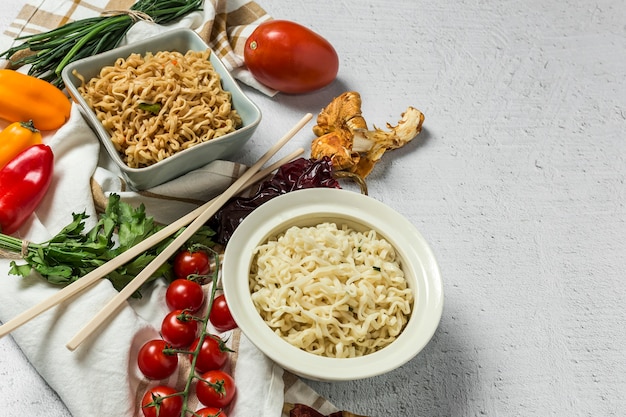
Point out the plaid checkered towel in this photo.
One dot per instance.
(224, 25)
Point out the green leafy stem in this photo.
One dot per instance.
(73, 253)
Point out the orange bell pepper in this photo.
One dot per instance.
(24, 97)
(15, 138)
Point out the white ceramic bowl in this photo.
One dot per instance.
(181, 40)
(310, 207)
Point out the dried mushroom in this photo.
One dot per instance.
(343, 135)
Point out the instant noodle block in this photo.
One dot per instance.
(415, 266)
(181, 162)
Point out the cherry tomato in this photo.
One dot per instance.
(289, 57)
(188, 262)
(154, 404)
(220, 316)
(183, 294)
(213, 353)
(211, 412)
(153, 362)
(216, 389)
(179, 328)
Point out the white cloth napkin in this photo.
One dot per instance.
(100, 377)
(106, 362)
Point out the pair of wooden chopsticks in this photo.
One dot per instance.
(193, 221)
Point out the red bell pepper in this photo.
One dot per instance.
(23, 182)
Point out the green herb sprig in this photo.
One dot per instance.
(73, 253)
(49, 52)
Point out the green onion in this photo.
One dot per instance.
(49, 52)
(153, 108)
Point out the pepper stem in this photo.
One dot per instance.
(30, 126)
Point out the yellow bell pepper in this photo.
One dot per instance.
(24, 97)
(15, 138)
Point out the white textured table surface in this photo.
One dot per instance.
(517, 181)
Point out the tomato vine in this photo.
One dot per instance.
(164, 402)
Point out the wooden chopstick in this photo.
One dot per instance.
(94, 276)
(120, 298)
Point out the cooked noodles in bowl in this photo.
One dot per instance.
(157, 104)
(330, 290)
(166, 113)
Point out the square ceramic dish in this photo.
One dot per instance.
(181, 40)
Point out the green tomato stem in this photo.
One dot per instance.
(203, 334)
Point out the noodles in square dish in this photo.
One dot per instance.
(159, 104)
(330, 290)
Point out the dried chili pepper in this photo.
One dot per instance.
(296, 175)
(23, 183)
(15, 138)
(302, 410)
(24, 97)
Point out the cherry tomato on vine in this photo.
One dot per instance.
(211, 412)
(179, 328)
(183, 294)
(220, 316)
(154, 362)
(212, 355)
(188, 262)
(216, 388)
(289, 57)
(158, 403)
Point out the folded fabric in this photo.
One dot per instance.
(101, 375)
(107, 362)
(170, 201)
(224, 25)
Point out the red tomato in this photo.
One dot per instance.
(289, 57)
(161, 401)
(179, 328)
(213, 353)
(183, 294)
(188, 262)
(211, 412)
(153, 362)
(220, 316)
(216, 389)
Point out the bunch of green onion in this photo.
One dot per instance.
(49, 52)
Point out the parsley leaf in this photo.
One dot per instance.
(73, 253)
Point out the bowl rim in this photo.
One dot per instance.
(297, 207)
